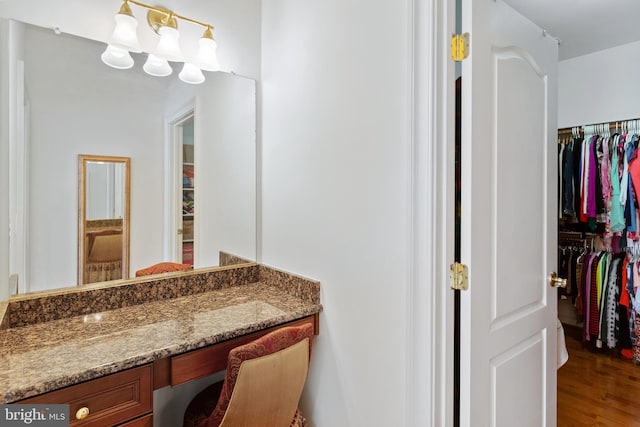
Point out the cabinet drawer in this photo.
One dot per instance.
(146, 421)
(111, 400)
(209, 360)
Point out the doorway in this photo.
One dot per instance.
(186, 235)
(592, 241)
(181, 189)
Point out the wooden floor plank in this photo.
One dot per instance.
(597, 388)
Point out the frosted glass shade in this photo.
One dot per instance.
(157, 66)
(191, 74)
(206, 57)
(124, 34)
(117, 57)
(168, 47)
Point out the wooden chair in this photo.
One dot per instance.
(262, 385)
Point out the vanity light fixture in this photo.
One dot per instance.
(165, 23)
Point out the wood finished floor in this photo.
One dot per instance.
(597, 389)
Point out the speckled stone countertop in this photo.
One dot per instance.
(51, 354)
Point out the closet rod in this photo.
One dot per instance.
(576, 234)
(567, 131)
(612, 126)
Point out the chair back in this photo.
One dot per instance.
(264, 380)
(268, 388)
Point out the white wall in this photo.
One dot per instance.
(336, 202)
(4, 156)
(599, 87)
(225, 152)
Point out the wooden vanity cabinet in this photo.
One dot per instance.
(146, 421)
(124, 398)
(209, 360)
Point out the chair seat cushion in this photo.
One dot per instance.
(163, 267)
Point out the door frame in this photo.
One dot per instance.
(19, 152)
(430, 301)
(173, 178)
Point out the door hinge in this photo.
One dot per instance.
(459, 46)
(459, 276)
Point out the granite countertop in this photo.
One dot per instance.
(45, 356)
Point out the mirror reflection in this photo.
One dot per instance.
(103, 220)
(104, 189)
(69, 103)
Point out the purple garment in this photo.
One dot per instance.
(607, 190)
(586, 297)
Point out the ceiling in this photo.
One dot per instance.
(584, 26)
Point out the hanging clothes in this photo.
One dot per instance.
(598, 184)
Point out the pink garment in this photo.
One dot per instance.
(584, 181)
(593, 172)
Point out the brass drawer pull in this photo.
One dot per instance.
(82, 413)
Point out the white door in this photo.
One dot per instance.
(508, 230)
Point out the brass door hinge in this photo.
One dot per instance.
(459, 276)
(459, 46)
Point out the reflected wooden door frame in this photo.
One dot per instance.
(83, 159)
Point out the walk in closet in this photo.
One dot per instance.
(599, 234)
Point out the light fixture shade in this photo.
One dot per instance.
(168, 47)
(157, 66)
(117, 57)
(191, 74)
(206, 58)
(124, 34)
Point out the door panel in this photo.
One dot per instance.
(517, 156)
(525, 396)
(508, 222)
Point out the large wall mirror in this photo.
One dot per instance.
(69, 103)
(103, 218)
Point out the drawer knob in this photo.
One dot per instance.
(82, 413)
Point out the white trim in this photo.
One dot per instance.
(258, 162)
(430, 304)
(172, 178)
(24, 172)
(198, 184)
(416, 377)
(4, 154)
(443, 104)
(19, 183)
